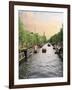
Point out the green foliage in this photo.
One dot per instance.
(29, 39)
(44, 39)
(21, 33)
(57, 38)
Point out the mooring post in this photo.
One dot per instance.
(25, 53)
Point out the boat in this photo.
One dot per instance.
(43, 50)
(48, 45)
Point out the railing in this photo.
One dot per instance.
(25, 53)
(59, 50)
(21, 56)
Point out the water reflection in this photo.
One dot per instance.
(42, 65)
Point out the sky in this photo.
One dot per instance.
(42, 21)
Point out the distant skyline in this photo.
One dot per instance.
(40, 22)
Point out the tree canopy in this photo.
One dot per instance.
(29, 39)
(57, 38)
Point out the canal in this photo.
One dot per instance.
(42, 65)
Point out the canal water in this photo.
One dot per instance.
(42, 65)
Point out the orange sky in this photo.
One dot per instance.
(40, 22)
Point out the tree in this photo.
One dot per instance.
(57, 38)
(21, 34)
(29, 39)
(44, 38)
